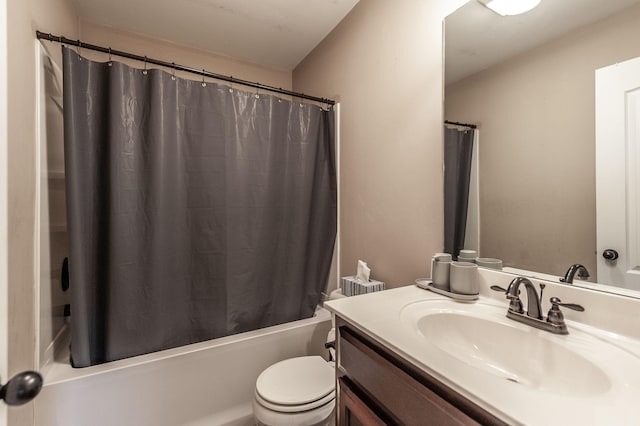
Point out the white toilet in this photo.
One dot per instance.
(296, 392)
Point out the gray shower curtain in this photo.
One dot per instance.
(458, 149)
(193, 212)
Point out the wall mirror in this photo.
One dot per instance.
(528, 83)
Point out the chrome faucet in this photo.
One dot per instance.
(533, 301)
(554, 322)
(583, 274)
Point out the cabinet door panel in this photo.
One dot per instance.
(353, 410)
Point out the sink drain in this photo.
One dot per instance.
(513, 379)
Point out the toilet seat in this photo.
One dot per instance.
(296, 408)
(296, 384)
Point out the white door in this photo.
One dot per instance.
(618, 173)
(3, 206)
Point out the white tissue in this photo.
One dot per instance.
(363, 272)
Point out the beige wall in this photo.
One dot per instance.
(24, 17)
(384, 64)
(171, 52)
(537, 145)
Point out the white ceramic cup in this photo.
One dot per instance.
(440, 265)
(489, 262)
(464, 278)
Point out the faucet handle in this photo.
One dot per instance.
(504, 290)
(557, 302)
(515, 304)
(555, 315)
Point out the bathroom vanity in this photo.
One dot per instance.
(376, 386)
(409, 356)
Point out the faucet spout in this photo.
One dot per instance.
(534, 309)
(582, 272)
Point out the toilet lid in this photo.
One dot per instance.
(296, 381)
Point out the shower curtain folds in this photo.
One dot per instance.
(193, 211)
(458, 150)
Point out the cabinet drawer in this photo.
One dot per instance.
(399, 390)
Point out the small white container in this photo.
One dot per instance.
(467, 256)
(440, 265)
(489, 262)
(464, 278)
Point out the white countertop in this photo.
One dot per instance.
(378, 315)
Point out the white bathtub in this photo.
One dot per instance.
(207, 383)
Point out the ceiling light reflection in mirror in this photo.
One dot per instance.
(510, 7)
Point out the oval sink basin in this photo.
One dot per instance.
(480, 336)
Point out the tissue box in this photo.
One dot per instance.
(352, 287)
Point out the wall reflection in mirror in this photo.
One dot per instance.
(528, 82)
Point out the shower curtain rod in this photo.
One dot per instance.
(455, 123)
(174, 66)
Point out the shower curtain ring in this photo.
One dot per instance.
(231, 85)
(203, 82)
(144, 71)
(79, 51)
(173, 72)
(110, 63)
(257, 90)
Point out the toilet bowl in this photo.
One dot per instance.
(296, 392)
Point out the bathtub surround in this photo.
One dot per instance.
(204, 384)
(191, 209)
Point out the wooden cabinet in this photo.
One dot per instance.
(353, 410)
(376, 387)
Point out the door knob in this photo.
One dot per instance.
(610, 254)
(22, 388)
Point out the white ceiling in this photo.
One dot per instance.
(273, 33)
(477, 38)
